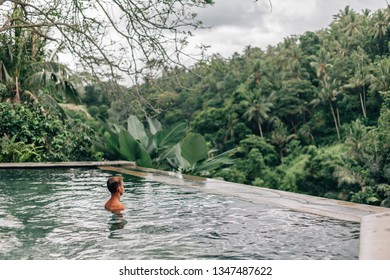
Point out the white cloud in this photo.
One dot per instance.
(239, 23)
(233, 13)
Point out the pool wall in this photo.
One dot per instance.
(374, 243)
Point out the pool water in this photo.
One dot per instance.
(59, 214)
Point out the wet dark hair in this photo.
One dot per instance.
(113, 183)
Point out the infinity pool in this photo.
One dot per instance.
(59, 214)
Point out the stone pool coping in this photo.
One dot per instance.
(10, 165)
(374, 221)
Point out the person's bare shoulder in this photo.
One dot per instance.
(114, 207)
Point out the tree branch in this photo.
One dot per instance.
(133, 37)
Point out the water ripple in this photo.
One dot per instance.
(58, 214)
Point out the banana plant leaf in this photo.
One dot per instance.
(216, 162)
(193, 148)
(182, 164)
(127, 145)
(169, 137)
(109, 146)
(132, 150)
(167, 154)
(154, 126)
(143, 157)
(110, 142)
(137, 130)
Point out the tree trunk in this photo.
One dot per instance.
(335, 120)
(364, 102)
(338, 116)
(260, 129)
(281, 155)
(16, 97)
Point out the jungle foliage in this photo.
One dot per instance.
(164, 148)
(310, 114)
(30, 133)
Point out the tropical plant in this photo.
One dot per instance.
(359, 81)
(174, 147)
(259, 107)
(318, 176)
(192, 156)
(57, 140)
(13, 151)
(328, 95)
(26, 69)
(280, 138)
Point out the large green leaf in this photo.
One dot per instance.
(103, 147)
(127, 146)
(112, 129)
(112, 145)
(154, 125)
(168, 153)
(182, 164)
(137, 130)
(171, 136)
(193, 148)
(216, 162)
(110, 141)
(143, 157)
(132, 150)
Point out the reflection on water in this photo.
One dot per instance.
(59, 214)
(116, 224)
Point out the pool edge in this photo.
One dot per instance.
(375, 237)
(70, 164)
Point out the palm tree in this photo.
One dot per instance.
(232, 122)
(358, 81)
(259, 107)
(328, 95)
(380, 27)
(24, 67)
(330, 88)
(280, 137)
(357, 140)
(361, 77)
(57, 77)
(18, 49)
(380, 80)
(345, 175)
(342, 47)
(322, 62)
(352, 24)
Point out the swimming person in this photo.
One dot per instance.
(116, 188)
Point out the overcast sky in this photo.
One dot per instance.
(239, 23)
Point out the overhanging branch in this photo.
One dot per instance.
(132, 37)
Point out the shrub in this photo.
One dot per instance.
(12, 151)
(318, 176)
(58, 139)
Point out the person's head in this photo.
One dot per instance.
(115, 184)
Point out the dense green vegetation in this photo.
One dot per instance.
(31, 134)
(309, 115)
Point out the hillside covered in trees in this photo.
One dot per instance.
(309, 115)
